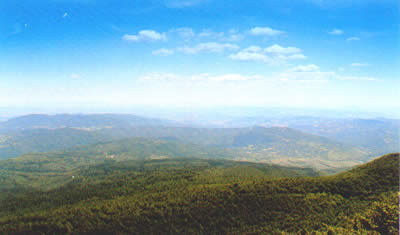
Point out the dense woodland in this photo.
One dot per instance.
(189, 195)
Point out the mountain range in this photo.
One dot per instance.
(297, 141)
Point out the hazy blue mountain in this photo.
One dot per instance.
(78, 121)
(377, 135)
(279, 145)
(348, 143)
(261, 144)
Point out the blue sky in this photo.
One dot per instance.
(200, 53)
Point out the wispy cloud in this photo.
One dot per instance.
(359, 64)
(183, 3)
(75, 76)
(159, 77)
(184, 32)
(210, 34)
(305, 68)
(274, 54)
(163, 52)
(276, 49)
(356, 78)
(312, 73)
(265, 31)
(224, 77)
(353, 39)
(208, 47)
(202, 77)
(299, 74)
(251, 56)
(230, 36)
(336, 32)
(145, 35)
(65, 15)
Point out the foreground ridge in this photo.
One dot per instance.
(214, 197)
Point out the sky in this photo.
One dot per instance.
(338, 54)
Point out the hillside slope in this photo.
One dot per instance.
(46, 140)
(288, 146)
(212, 199)
(277, 145)
(378, 135)
(33, 169)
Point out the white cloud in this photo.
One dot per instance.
(359, 78)
(312, 73)
(224, 77)
(159, 77)
(250, 56)
(253, 49)
(353, 39)
(128, 37)
(145, 35)
(293, 57)
(274, 54)
(209, 47)
(75, 76)
(359, 64)
(183, 3)
(211, 34)
(65, 15)
(163, 52)
(336, 32)
(265, 31)
(305, 68)
(276, 49)
(230, 36)
(184, 32)
(301, 74)
(311, 76)
(203, 77)
(234, 37)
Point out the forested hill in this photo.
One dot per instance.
(189, 196)
(277, 145)
(29, 169)
(45, 140)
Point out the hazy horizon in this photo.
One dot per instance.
(204, 113)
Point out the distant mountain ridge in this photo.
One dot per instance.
(280, 145)
(35, 121)
(378, 135)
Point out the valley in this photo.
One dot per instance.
(279, 145)
(163, 178)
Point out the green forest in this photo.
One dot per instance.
(198, 196)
